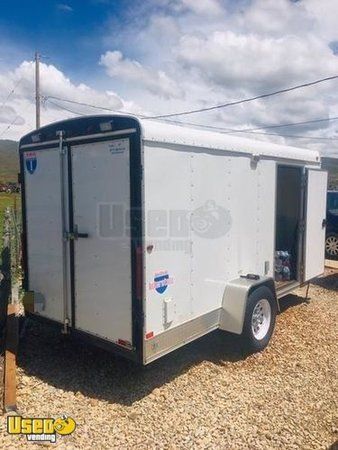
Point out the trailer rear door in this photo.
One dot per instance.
(102, 253)
(315, 223)
(44, 230)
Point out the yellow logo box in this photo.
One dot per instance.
(62, 425)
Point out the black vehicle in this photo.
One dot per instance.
(331, 243)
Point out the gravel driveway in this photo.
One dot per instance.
(206, 395)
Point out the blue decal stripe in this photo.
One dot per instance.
(161, 277)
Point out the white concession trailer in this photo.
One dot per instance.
(142, 235)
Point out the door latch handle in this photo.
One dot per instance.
(75, 235)
(78, 235)
(324, 223)
(82, 235)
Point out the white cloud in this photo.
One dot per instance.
(55, 83)
(205, 7)
(20, 106)
(276, 17)
(64, 7)
(8, 115)
(218, 51)
(156, 82)
(325, 13)
(253, 62)
(172, 55)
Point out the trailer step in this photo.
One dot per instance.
(286, 288)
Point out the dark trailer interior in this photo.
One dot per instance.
(289, 219)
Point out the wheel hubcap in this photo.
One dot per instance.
(261, 319)
(332, 245)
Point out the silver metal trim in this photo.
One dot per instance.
(275, 222)
(240, 153)
(282, 291)
(305, 213)
(39, 144)
(99, 135)
(174, 338)
(65, 287)
(82, 138)
(302, 227)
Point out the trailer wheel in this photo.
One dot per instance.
(260, 318)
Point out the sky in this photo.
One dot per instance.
(161, 56)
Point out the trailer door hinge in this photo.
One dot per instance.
(142, 318)
(75, 235)
(304, 181)
(69, 236)
(302, 226)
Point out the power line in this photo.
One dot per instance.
(13, 121)
(13, 90)
(91, 106)
(9, 126)
(291, 124)
(4, 103)
(293, 136)
(220, 129)
(238, 102)
(250, 131)
(11, 93)
(51, 117)
(48, 97)
(230, 130)
(63, 107)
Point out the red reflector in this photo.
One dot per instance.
(150, 335)
(124, 343)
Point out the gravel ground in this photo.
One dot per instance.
(207, 395)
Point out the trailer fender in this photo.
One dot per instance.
(235, 299)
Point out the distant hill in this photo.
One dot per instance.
(9, 162)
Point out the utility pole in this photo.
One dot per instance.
(37, 89)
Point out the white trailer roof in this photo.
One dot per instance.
(168, 133)
(163, 132)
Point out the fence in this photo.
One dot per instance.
(10, 262)
(10, 275)
(5, 275)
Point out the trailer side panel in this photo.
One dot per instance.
(209, 218)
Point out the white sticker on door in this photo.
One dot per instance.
(119, 146)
